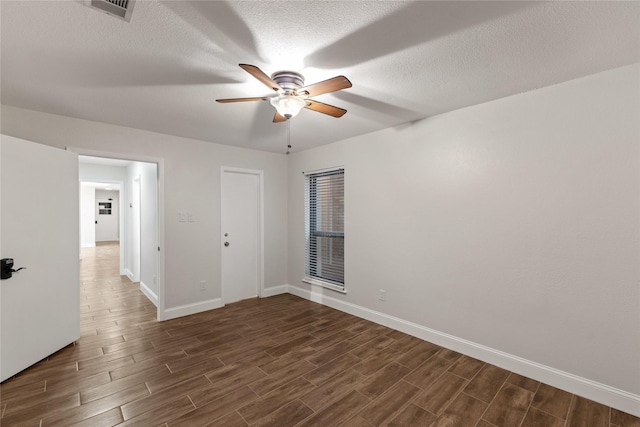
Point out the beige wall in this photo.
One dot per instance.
(191, 184)
(511, 226)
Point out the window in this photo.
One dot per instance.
(324, 228)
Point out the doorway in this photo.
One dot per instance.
(242, 234)
(139, 216)
(100, 178)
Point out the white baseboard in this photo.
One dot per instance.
(188, 309)
(149, 293)
(602, 393)
(130, 275)
(274, 290)
(88, 245)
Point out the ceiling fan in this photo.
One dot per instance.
(292, 95)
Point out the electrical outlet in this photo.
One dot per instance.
(383, 295)
(190, 217)
(182, 217)
(203, 285)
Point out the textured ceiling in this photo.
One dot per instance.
(163, 70)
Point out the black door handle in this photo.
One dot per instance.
(7, 268)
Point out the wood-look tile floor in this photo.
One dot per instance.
(279, 361)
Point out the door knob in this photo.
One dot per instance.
(226, 243)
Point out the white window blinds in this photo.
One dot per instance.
(324, 228)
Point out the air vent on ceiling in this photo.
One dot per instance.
(118, 8)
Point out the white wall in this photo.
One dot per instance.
(147, 232)
(191, 184)
(512, 224)
(132, 231)
(99, 173)
(87, 216)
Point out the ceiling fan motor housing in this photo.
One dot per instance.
(288, 80)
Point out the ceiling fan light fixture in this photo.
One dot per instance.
(288, 105)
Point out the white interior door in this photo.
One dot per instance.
(39, 217)
(241, 234)
(107, 224)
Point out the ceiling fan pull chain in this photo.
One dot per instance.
(288, 137)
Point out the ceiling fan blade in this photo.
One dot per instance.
(278, 118)
(261, 76)
(326, 86)
(325, 108)
(240, 99)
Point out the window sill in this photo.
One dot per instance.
(324, 284)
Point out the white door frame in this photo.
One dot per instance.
(136, 190)
(160, 314)
(260, 272)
